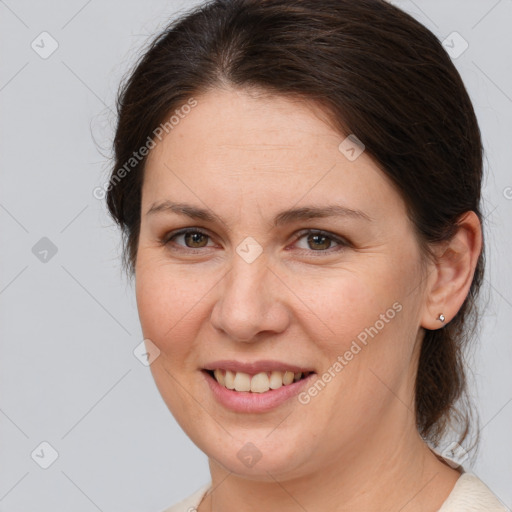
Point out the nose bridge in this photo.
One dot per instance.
(248, 301)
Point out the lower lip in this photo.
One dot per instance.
(246, 401)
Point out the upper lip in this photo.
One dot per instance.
(256, 366)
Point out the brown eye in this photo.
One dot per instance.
(321, 241)
(192, 239)
(195, 239)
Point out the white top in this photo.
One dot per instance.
(469, 494)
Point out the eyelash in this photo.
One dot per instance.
(168, 240)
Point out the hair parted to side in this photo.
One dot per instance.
(379, 74)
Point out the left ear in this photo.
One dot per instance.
(451, 278)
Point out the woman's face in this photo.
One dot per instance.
(345, 303)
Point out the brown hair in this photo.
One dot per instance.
(380, 75)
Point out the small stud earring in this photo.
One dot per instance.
(441, 317)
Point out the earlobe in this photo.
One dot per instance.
(453, 273)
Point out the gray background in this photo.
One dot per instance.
(69, 325)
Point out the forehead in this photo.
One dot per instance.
(232, 124)
(267, 150)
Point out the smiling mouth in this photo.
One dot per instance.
(261, 382)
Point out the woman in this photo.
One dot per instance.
(298, 183)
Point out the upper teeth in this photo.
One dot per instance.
(259, 383)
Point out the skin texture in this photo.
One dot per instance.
(355, 445)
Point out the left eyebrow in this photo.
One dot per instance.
(284, 217)
(314, 212)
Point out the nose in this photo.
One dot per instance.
(251, 300)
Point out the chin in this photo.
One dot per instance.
(255, 454)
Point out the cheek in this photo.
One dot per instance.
(365, 345)
(343, 305)
(155, 303)
(164, 292)
(361, 328)
(171, 302)
(165, 301)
